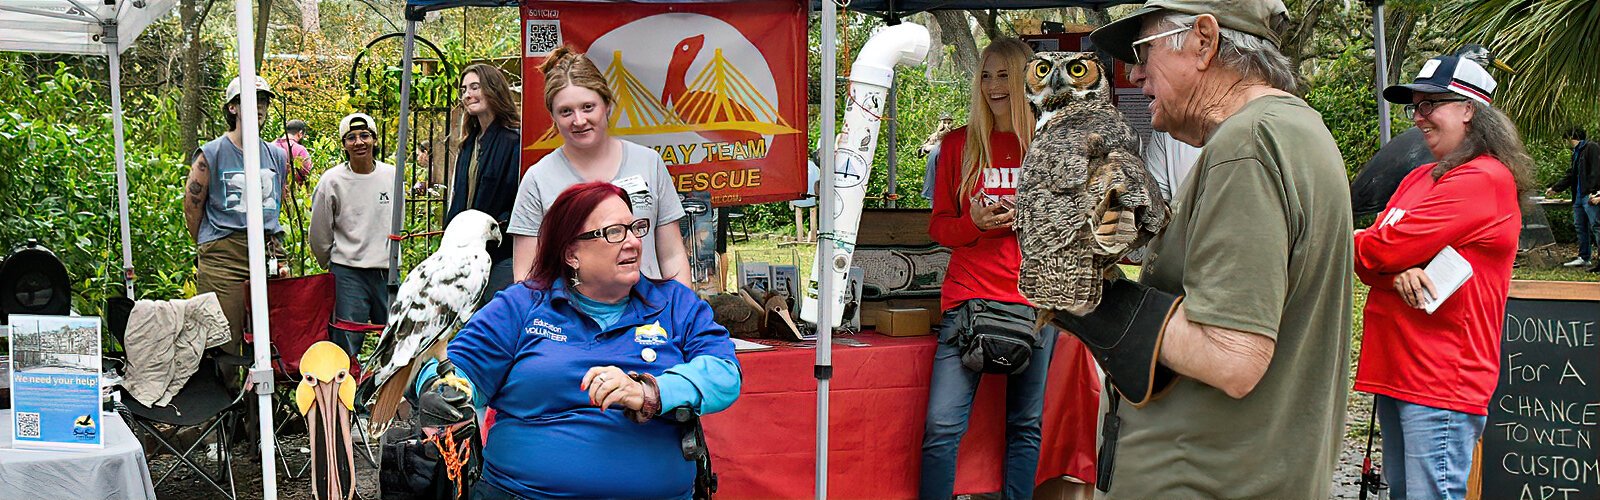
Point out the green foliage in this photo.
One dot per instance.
(1344, 95)
(59, 185)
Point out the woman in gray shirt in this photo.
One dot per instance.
(579, 102)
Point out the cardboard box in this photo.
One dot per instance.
(907, 322)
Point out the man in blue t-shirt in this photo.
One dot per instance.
(214, 209)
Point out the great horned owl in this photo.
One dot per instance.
(1084, 198)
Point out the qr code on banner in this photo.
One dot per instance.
(27, 425)
(543, 37)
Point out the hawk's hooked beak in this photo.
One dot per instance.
(494, 233)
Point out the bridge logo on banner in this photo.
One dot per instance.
(717, 89)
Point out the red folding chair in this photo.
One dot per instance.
(299, 312)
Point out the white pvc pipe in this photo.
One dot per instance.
(870, 78)
(260, 372)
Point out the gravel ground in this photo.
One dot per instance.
(186, 485)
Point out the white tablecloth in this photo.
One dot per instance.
(117, 471)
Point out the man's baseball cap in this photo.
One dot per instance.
(1263, 18)
(356, 121)
(1446, 74)
(233, 89)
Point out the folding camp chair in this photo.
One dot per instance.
(205, 402)
(300, 311)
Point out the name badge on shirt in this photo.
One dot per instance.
(638, 194)
(632, 184)
(650, 335)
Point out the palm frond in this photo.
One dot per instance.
(1553, 44)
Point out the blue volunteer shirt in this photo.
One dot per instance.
(526, 353)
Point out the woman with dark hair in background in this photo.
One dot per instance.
(1434, 371)
(488, 166)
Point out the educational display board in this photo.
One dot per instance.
(1544, 418)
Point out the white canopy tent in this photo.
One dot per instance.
(107, 28)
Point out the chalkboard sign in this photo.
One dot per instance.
(1544, 419)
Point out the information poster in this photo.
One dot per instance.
(717, 89)
(55, 382)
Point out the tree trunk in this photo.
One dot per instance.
(936, 52)
(1299, 34)
(953, 28)
(309, 18)
(987, 21)
(1097, 17)
(189, 112)
(1400, 42)
(263, 16)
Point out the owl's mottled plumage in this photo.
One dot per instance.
(1084, 198)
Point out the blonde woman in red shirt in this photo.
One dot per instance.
(1433, 373)
(974, 194)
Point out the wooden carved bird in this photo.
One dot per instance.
(326, 396)
(1084, 198)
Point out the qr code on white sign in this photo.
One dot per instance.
(27, 425)
(543, 37)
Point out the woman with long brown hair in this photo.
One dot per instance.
(490, 146)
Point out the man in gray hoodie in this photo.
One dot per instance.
(350, 230)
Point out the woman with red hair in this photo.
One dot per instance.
(580, 361)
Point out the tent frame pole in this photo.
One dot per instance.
(108, 34)
(1381, 59)
(397, 216)
(826, 240)
(261, 370)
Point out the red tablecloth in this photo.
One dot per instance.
(764, 446)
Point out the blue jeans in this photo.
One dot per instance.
(1427, 451)
(950, 403)
(1586, 221)
(359, 295)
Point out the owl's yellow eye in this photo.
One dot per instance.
(1077, 70)
(1041, 69)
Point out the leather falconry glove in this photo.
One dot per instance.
(1124, 335)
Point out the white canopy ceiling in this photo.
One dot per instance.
(74, 26)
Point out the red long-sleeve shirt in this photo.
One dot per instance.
(983, 264)
(1451, 358)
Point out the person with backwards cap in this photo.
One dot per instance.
(350, 219)
(1229, 356)
(1434, 372)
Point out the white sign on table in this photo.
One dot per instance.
(55, 382)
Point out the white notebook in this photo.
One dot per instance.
(1449, 271)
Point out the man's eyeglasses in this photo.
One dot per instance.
(1141, 46)
(615, 233)
(358, 136)
(1426, 107)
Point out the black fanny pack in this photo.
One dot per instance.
(996, 337)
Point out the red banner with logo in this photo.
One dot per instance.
(718, 89)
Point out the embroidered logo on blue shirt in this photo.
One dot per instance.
(651, 334)
(546, 330)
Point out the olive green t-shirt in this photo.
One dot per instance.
(1260, 242)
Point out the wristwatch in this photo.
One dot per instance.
(652, 399)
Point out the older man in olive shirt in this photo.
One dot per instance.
(1259, 248)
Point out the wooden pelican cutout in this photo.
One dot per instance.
(326, 396)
